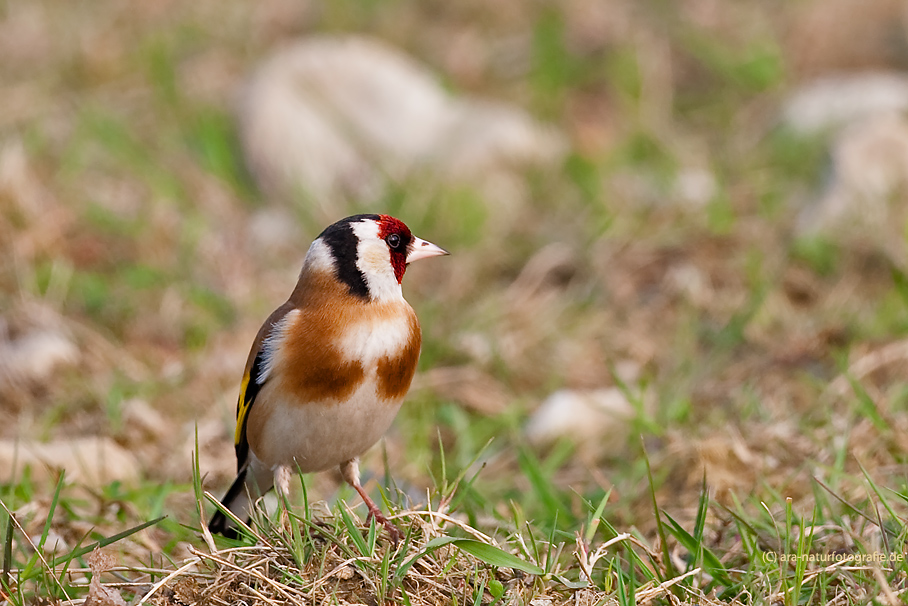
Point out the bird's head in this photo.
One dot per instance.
(370, 253)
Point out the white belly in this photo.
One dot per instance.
(318, 436)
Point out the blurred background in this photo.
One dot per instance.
(676, 228)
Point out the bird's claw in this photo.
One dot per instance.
(393, 531)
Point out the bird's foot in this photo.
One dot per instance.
(350, 472)
(376, 514)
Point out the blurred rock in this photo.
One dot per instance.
(695, 187)
(91, 461)
(863, 203)
(596, 420)
(34, 355)
(835, 101)
(337, 117)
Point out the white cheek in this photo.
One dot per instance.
(374, 260)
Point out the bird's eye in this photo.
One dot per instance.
(393, 241)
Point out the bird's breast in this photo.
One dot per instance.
(388, 345)
(335, 386)
(322, 358)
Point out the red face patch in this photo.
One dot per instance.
(398, 237)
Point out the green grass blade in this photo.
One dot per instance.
(740, 520)
(496, 557)
(805, 541)
(197, 479)
(50, 514)
(372, 536)
(866, 406)
(7, 578)
(353, 532)
(854, 509)
(480, 591)
(650, 571)
(581, 584)
(330, 536)
(542, 486)
(482, 551)
(702, 506)
(443, 464)
(549, 559)
(879, 495)
(625, 590)
(429, 547)
(385, 584)
(670, 571)
(595, 518)
(461, 488)
(104, 542)
(701, 553)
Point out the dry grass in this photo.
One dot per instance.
(316, 560)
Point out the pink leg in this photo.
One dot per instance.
(350, 472)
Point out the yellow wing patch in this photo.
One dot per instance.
(242, 410)
(249, 389)
(252, 383)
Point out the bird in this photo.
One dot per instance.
(328, 369)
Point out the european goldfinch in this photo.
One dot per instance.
(329, 368)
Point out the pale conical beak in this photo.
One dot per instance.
(420, 249)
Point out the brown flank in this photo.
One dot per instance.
(395, 374)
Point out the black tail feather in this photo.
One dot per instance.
(220, 523)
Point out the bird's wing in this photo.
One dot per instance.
(253, 380)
